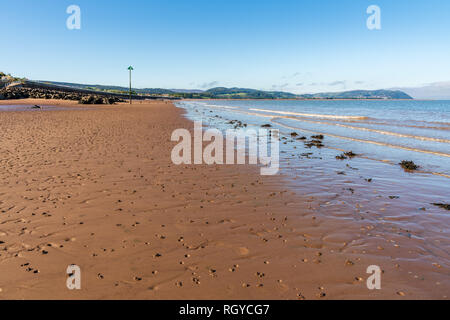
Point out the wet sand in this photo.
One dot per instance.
(94, 186)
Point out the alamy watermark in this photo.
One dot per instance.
(374, 20)
(374, 281)
(240, 145)
(73, 22)
(73, 282)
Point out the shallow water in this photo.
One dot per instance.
(383, 130)
(26, 108)
(371, 187)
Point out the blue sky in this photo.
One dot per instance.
(297, 46)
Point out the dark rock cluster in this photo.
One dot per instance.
(94, 99)
(20, 92)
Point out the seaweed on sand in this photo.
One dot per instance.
(314, 143)
(409, 165)
(445, 206)
(350, 154)
(341, 157)
(346, 155)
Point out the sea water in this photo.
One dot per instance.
(389, 131)
(370, 190)
(382, 134)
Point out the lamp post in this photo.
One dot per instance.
(130, 68)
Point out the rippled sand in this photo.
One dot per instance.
(96, 187)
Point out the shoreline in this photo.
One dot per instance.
(95, 187)
(309, 99)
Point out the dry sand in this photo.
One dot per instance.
(94, 186)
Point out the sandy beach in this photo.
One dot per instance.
(95, 186)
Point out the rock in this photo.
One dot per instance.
(85, 100)
(90, 99)
(21, 92)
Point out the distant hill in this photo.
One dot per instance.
(360, 94)
(111, 89)
(240, 93)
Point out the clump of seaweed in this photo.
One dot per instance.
(346, 155)
(266, 126)
(301, 138)
(318, 137)
(294, 134)
(237, 124)
(350, 154)
(314, 143)
(408, 165)
(442, 205)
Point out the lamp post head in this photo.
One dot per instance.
(130, 68)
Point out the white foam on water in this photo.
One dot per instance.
(312, 115)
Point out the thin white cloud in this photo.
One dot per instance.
(280, 86)
(208, 85)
